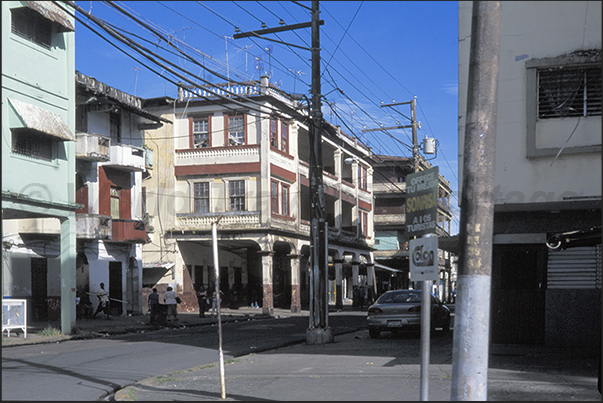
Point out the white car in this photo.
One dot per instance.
(400, 310)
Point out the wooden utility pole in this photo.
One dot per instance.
(472, 320)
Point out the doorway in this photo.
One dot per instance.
(39, 289)
(115, 288)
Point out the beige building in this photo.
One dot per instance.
(238, 156)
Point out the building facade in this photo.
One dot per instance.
(547, 172)
(238, 156)
(111, 164)
(38, 160)
(392, 268)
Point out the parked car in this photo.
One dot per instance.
(400, 310)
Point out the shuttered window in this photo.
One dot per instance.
(569, 92)
(30, 25)
(575, 268)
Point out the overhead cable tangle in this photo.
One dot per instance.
(145, 53)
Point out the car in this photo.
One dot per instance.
(400, 310)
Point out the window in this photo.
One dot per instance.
(284, 137)
(115, 195)
(285, 198)
(362, 177)
(273, 133)
(236, 130)
(563, 95)
(30, 24)
(29, 143)
(274, 197)
(201, 197)
(569, 92)
(199, 132)
(115, 126)
(236, 192)
(363, 218)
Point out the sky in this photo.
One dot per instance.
(373, 53)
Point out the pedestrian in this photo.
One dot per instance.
(202, 300)
(103, 302)
(171, 300)
(362, 291)
(215, 302)
(153, 305)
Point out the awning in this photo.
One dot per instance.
(380, 266)
(52, 12)
(41, 120)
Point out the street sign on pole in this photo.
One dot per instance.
(423, 253)
(422, 202)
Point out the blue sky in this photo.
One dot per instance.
(372, 52)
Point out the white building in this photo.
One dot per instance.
(547, 171)
(111, 164)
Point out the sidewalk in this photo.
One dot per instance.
(99, 327)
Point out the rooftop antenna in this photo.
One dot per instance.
(297, 72)
(246, 54)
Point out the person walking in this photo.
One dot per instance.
(171, 300)
(103, 302)
(153, 305)
(202, 300)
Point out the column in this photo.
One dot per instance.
(338, 288)
(370, 279)
(68, 279)
(295, 283)
(267, 299)
(355, 266)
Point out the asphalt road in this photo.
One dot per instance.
(88, 370)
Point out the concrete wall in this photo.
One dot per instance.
(535, 30)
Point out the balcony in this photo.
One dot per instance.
(93, 226)
(389, 219)
(92, 147)
(127, 158)
(128, 231)
(236, 220)
(218, 155)
(389, 188)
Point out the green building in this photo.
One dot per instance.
(38, 160)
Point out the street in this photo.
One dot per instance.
(92, 369)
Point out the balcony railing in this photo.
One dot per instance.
(215, 155)
(127, 157)
(92, 226)
(92, 147)
(128, 231)
(238, 220)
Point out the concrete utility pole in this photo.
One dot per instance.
(472, 320)
(318, 331)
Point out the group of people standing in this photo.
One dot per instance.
(206, 299)
(170, 300)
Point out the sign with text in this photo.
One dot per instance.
(422, 202)
(423, 253)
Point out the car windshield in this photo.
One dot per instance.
(402, 297)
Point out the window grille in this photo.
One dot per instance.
(201, 204)
(31, 144)
(237, 195)
(30, 25)
(569, 92)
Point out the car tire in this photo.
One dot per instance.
(374, 333)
